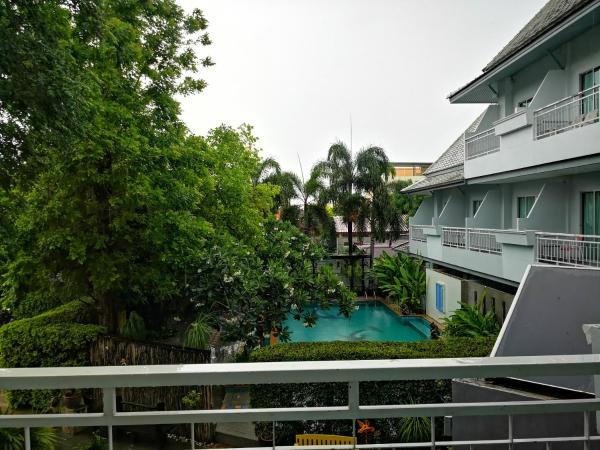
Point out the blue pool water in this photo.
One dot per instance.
(371, 321)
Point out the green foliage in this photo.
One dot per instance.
(400, 207)
(251, 288)
(56, 338)
(104, 188)
(97, 442)
(193, 400)
(198, 333)
(470, 320)
(41, 439)
(402, 278)
(373, 393)
(415, 429)
(134, 327)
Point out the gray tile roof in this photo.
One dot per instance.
(439, 179)
(448, 168)
(455, 154)
(553, 13)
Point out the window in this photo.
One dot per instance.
(439, 297)
(476, 205)
(525, 103)
(588, 80)
(590, 213)
(524, 205)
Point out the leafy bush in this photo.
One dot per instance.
(402, 278)
(198, 333)
(14, 439)
(470, 320)
(336, 394)
(53, 339)
(135, 327)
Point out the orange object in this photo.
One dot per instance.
(364, 427)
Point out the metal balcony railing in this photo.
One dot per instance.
(417, 234)
(482, 144)
(454, 237)
(572, 112)
(575, 250)
(109, 379)
(483, 241)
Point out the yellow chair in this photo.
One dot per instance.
(323, 439)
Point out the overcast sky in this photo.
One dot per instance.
(298, 69)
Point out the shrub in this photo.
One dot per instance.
(402, 278)
(470, 320)
(336, 394)
(14, 439)
(59, 337)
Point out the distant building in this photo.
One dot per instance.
(409, 170)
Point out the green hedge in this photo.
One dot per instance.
(371, 393)
(59, 337)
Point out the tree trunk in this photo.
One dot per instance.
(107, 316)
(350, 254)
(372, 246)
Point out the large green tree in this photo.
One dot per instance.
(106, 187)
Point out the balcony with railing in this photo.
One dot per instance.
(352, 373)
(568, 250)
(482, 144)
(454, 237)
(567, 114)
(417, 233)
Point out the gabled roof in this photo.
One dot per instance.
(553, 13)
(448, 168)
(537, 36)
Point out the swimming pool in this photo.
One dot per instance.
(371, 321)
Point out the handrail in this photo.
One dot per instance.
(110, 378)
(480, 134)
(570, 97)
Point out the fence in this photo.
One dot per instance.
(483, 241)
(417, 233)
(482, 144)
(572, 112)
(568, 249)
(113, 351)
(454, 237)
(109, 379)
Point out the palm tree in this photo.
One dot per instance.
(311, 215)
(373, 170)
(266, 171)
(348, 178)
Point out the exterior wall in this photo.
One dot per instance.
(546, 83)
(495, 300)
(453, 294)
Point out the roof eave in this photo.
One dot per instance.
(487, 77)
(435, 187)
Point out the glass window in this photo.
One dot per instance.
(589, 80)
(590, 213)
(525, 103)
(524, 205)
(439, 297)
(476, 205)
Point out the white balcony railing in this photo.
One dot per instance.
(573, 250)
(483, 241)
(572, 112)
(417, 233)
(482, 144)
(454, 237)
(109, 379)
